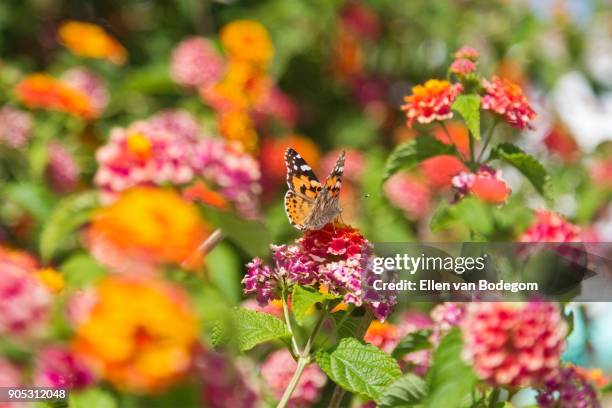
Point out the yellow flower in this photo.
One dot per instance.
(140, 335)
(247, 40)
(146, 225)
(90, 41)
(51, 278)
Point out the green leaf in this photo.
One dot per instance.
(470, 212)
(253, 328)
(81, 270)
(406, 391)
(415, 341)
(450, 378)
(303, 299)
(410, 154)
(468, 106)
(359, 368)
(252, 236)
(91, 398)
(350, 324)
(66, 217)
(526, 164)
(34, 198)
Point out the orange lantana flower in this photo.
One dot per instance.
(431, 101)
(140, 336)
(247, 40)
(44, 91)
(91, 41)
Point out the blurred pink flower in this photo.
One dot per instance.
(80, 305)
(10, 376)
(601, 172)
(235, 175)
(225, 383)
(551, 227)
(90, 85)
(196, 63)
(514, 344)
(507, 99)
(277, 104)
(178, 122)
(408, 193)
(277, 370)
(15, 126)
(410, 322)
(62, 170)
(58, 367)
(467, 52)
(145, 153)
(462, 66)
(25, 301)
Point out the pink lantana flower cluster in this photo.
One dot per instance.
(169, 149)
(15, 127)
(58, 367)
(514, 344)
(196, 64)
(507, 99)
(335, 258)
(487, 184)
(551, 227)
(26, 301)
(569, 389)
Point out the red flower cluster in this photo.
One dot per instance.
(507, 99)
(551, 227)
(514, 344)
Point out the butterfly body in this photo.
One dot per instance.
(309, 204)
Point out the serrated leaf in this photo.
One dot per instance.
(252, 236)
(350, 325)
(407, 391)
(528, 165)
(449, 378)
(253, 328)
(468, 106)
(359, 368)
(91, 398)
(66, 217)
(409, 154)
(303, 300)
(415, 341)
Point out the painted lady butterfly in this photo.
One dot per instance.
(308, 204)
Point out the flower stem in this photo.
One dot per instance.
(205, 247)
(295, 350)
(487, 140)
(303, 361)
(450, 139)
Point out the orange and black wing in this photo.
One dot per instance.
(333, 183)
(300, 177)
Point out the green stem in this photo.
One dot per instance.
(487, 140)
(295, 350)
(472, 158)
(303, 360)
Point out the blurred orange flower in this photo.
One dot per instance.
(90, 41)
(144, 227)
(242, 87)
(239, 129)
(140, 336)
(44, 91)
(247, 40)
(52, 279)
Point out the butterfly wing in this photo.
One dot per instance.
(304, 188)
(297, 209)
(333, 183)
(300, 177)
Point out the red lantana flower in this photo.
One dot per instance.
(507, 99)
(431, 101)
